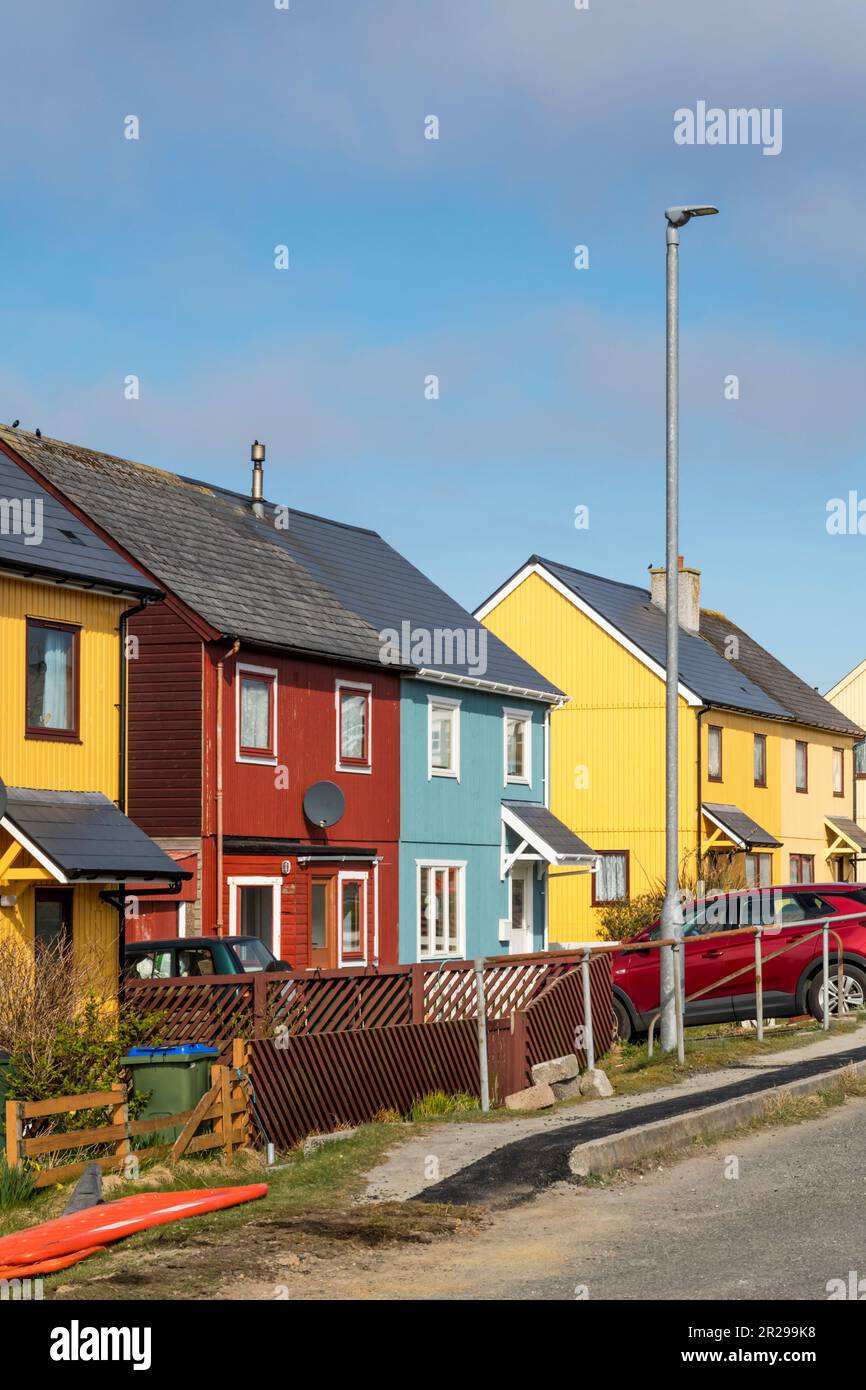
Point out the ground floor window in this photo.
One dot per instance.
(254, 909)
(610, 880)
(802, 868)
(758, 870)
(53, 920)
(353, 916)
(441, 909)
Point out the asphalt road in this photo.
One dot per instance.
(793, 1219)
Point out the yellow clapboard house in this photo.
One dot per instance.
(849, 696)
(66, 849)
(766, 764)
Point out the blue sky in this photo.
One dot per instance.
(454, 257)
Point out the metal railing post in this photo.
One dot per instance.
(679, 990)
(759, 986)
(825, 947)
(587, 1010)
(484, 1074)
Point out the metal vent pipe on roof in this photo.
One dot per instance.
(257, 454)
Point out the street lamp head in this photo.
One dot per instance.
(678, 217)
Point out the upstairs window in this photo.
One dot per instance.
(256, 714)
(714, 753)
(860, 758)
(518, 746)
(52, 680)
(353, 727)
(838, 771)
(801, 769)
(443, 751)
(760, 760)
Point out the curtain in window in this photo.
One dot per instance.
(860, 758)
(255, 714)
(516, 755)
(56, 690)
(441, 738)
(440, 911)
(353, 727)
(610, 879)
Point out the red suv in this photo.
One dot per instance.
(792, 982)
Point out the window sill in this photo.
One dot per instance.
(443, 772)
(354, 767)
(263, 759)
(51, 736)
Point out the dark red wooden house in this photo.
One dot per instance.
(263, 730)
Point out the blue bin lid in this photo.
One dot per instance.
(182, 1050)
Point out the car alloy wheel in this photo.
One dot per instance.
(853, 996)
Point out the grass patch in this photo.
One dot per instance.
(706, 1049)
(16, 1186)
(437, 1103)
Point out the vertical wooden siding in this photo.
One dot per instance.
(165, 725)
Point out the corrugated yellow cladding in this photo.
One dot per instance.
(94, 934)
(607, 745)
(92, 764)
(849, 696)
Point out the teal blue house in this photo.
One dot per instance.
(478, 846)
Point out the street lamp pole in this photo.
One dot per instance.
(671, 920)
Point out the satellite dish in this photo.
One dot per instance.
(324, 803)
(3, 798)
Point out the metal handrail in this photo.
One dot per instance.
(677, 944)
(823, 930)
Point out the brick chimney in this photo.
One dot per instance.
(688, 594)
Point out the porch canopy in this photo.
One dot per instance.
(847, 837)
(735, 830)
(536, 828)
(78, 837)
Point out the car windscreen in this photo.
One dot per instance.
(252, 955)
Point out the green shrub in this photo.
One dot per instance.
(80, 1053)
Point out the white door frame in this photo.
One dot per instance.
(522, 939)
(256, 881)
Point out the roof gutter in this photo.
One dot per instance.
(498, 687)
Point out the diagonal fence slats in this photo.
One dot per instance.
(318, 1082)
(555, 1018)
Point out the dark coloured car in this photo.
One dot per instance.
(792, 982)
(198, 956)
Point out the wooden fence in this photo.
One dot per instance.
(30, 1138)
(313, 1082)
(215, 1009)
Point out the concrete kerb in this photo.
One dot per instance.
(605, 1155)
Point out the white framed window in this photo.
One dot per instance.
(517, 746)
(254, 909)
(353, 704)
(443, 737)
(352, 917)
(441, 895)
(610, 880)
(256, 714)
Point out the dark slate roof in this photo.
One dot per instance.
(84, 834)
(563, 842)
(319, 586)
(849, 828)
(370, 576)
(741, 826)
(68, 549)
(806, 704)
(207, 548)
(702, 669)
